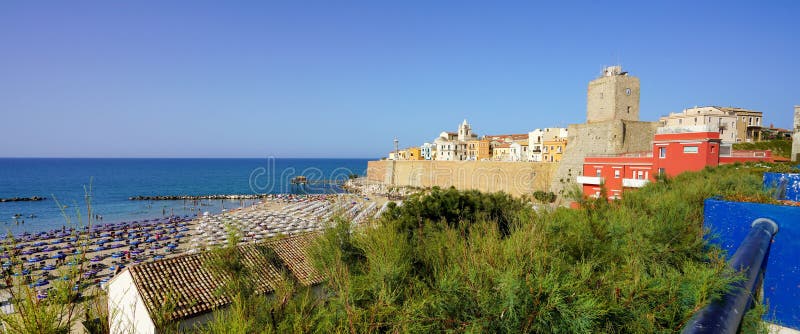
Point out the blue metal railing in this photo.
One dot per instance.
(725, 315)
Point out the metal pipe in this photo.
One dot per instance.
(725, 315)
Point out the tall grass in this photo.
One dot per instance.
(470, 262)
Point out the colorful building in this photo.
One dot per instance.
(553, 150)
(414, 153)
(428, 151)
(479, 149)
(672, 153)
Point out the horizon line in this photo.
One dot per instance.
(178, 157)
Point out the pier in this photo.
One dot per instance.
(23, 199)
(302, 180)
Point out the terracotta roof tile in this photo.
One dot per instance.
(193, 287)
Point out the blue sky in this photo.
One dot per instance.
(342, 79)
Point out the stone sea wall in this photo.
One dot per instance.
(515, 178)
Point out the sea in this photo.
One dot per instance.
(71, 185)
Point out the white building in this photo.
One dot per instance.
(141, 291)
(427, 151)
(518, 151)
(452, 146)
(538, 136)
(712, 118)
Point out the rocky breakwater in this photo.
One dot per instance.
(23, 199)
(197, 197)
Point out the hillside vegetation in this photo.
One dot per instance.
(463, 261)
(779, 147)
(471, 262)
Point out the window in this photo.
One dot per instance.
(690, 149)
(629, 109)
(616, 173)
(662, 171)
(598, 172)
(712, 148)
(662, 152)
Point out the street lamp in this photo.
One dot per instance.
(396, 150)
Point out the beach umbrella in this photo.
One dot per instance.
(49, 267)
(58, 256)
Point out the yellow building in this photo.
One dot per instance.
(553, 150)
(414, 153)
(479, 149)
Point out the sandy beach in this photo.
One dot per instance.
(103, 250)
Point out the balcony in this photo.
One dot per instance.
(634, 183)
(589, 180)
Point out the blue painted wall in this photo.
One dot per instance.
(729, 223)
(771, 180)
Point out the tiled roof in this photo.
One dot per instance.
(193, 288)
(292, 252)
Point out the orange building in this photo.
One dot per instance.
(479, 149)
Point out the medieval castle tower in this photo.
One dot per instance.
(612, 125)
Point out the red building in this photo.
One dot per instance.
(672, 154)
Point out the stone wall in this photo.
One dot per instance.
(610, 137)
(515, 178)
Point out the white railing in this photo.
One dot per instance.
(634, 183)
(589, 180)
